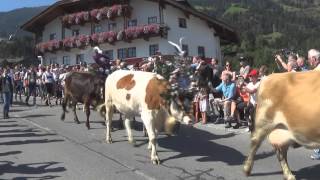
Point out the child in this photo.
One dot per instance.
(203, 104)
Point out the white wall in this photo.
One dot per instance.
(143, 9)
(54, 26)
(196, 34)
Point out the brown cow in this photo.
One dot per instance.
(288, 113)
(85, 88)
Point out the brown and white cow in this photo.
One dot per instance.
(288, 112)
(146, 94)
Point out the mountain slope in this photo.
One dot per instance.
(10, 21)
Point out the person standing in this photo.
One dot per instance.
(30, 79)
(48, 80)
(7, 90)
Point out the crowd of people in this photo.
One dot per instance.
(220, 93)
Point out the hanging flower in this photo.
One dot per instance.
(120, 35)
(71, 19)
(94, 13)
(119, 10)
(79, 18)
(69, 42)
(65, 19)
(95, 37)
(112, 36)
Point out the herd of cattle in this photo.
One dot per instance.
(287, 111)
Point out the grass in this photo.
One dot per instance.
(235, 9)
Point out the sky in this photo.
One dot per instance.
(8, 5)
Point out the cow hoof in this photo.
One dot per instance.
(133, 142)
(247, 170)
(291, 177)
(156, 161)
(62, 117)
(109, 141)
(77, 121)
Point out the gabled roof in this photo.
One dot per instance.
(224, 31)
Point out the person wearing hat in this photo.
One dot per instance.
(252, 88)
(101, 59)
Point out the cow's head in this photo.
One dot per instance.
(160, 96)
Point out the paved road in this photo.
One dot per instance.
(35, 144)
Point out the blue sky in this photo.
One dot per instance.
(8, 5)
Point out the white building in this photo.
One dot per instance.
(137, 29)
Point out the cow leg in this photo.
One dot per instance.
(109, 113)
(147, 120)
(144, 131)
(87, 109)
(64, 107)
(282, 157)
(256, 139)
(129, 131)
(74, 106)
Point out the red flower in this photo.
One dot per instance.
(95, 37)
(69, 42)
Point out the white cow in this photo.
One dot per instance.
(288, 112)
(146, 94)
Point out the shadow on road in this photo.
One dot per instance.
(32, 177)
(25, 135)
(40, 141)
(32, 168)
(36, 115)
(311, 173)
(10, 153)
(190, 139)
(30, 130)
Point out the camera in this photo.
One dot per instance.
(284, 52)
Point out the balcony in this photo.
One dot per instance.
(96, 15)
(111, 37)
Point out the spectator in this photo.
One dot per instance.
(263, 72)
(284, 65)
(301, 64)
(48, 80)
(216, 72)
(203, 104)
(252, 89)
(244, 68)
(30, 80)
(292, 66)
(101, 59)
(314, 59)
(228, 88)
(7, 90)
(228, 70)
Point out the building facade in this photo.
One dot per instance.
(129, 29)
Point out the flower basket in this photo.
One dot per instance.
(79, 18)
(95, 38)
(94, 13)
(71, 19)
(69, 42)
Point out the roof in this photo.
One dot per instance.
(36, 24)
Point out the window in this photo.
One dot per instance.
(66, 60)
(109, 53)
(153, 49)
(53, 36)
(75, 32)
(131, 52)
(53, 60)
(124, 53)
(132, 23)
(185, 48)
(152, 20)
(97, 28)
(182, 23)
(201, 51)
(80, 58)
(112, 26)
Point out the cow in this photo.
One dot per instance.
(288, 113)
(146, 94)
(85, 88)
